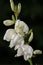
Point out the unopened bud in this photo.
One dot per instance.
(8, 22)
(31, 37)
(12, 5)
(19, 8)
(37, 52)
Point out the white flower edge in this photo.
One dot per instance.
(26, 51)
(8, 22)
(16, 41)
(8, 34)
(22, 26)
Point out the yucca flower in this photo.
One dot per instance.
(13, 37)
(25, 50)
(21, 27)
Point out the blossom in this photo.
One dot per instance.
(8, 22)
(16, 41)
(25, 50)
(8, 34)
(13, 37)
(21, 27)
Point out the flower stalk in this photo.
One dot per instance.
(30, 61)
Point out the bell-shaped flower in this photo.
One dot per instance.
(14, 38)
(25, 50)
(8, 34)
(8, 22)
(16, 41)
(21, 27)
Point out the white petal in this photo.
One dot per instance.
(13, 41)
(16, 40)
(8, 22)
(28, 51)
(20, 26)
(8, 34)
(26, 57)
(21, 43)
(19, 52)
(16, 47)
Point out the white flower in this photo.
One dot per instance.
(21, 27)
(8, 34)
(16, 41)
(8, 22)
(13, 37)
(26, 51)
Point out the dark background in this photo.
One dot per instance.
(32, 14)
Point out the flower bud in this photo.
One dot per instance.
(31, 37)
(8, 22)
(37, 52)
(12, 5)
(19, 8)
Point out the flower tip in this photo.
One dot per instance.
(15, 55)
(4, 38)
(10, 46)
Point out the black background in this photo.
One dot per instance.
(32, 14)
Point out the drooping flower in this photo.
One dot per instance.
(26, 51)
(8, 34)
(16, 41)
(21, 27)
(13, 37)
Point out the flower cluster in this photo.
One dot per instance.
(18, 35)
(16, 38)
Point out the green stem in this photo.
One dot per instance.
(16, 16)
(30, 61)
